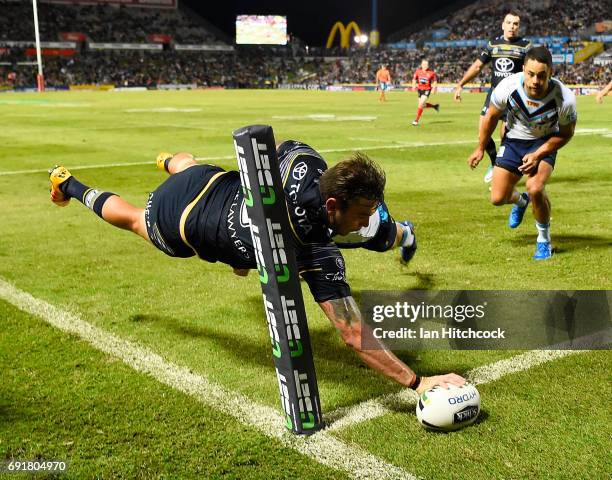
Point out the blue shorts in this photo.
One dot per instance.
(511, 152)
(384, 86)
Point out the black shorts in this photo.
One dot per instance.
(427, 93)
(485, 106)
(167, 204)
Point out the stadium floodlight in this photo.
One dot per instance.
(40, 80)
(360, 39)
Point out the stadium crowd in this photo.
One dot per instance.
(538, 18)
(243, 69)
(99, 23)
(256, 67)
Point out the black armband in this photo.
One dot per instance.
(416, 383)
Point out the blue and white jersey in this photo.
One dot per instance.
(529, 118)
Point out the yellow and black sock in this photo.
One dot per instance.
(90, 197)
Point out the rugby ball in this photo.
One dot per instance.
(448, 408)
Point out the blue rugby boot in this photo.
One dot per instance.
(517, 213)
(543, 251)
(406, 253)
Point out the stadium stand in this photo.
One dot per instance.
(222, 65)
(100, 23)
(538, 17)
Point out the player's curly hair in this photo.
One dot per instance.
(356, 177)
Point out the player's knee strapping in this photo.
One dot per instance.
(92, 198)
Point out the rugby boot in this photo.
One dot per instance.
(488, 178)
(161, 160)
(406, 253)
(517, 213)
(57, 176)
(543, 251)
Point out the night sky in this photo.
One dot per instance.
(312, 20)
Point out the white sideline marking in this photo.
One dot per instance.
(321, 447)
(108, 165)
(406, 399)
(327, 117)
(43, 103)
(231, 157)
(163, 110)
(592, 131)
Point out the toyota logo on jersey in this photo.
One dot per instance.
(504, 64)
(300, 171)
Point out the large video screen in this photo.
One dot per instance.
(261, 30)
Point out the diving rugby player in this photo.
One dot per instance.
(200, 211)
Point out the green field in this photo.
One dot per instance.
(60, 398)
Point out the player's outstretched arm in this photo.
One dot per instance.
(487, 127)
(475, 69)
(345, 316)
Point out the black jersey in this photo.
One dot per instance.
(213, 222)
(507, 57)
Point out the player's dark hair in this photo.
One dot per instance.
(356, 177)
(513, 13)
(539, 54)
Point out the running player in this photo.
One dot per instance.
(200, 210)
(541, 116)
(383, 81)
(506, 53)
(424, 83)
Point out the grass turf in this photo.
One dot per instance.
(184, 310)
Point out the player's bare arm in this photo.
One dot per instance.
(554, 143)
(487, 127)
(346, 318)
(475, 69)
(604, 91)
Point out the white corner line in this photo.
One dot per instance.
(406, 399)
(322, 447)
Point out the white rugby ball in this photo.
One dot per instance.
(448, 408)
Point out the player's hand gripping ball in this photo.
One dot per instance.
(448, 409)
